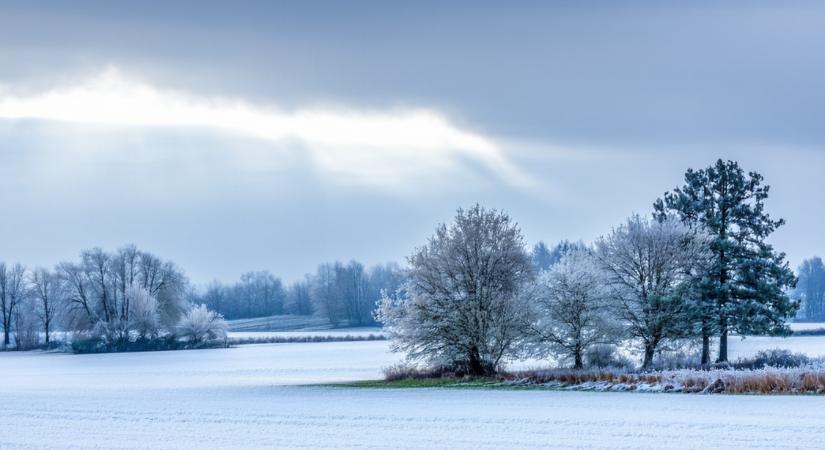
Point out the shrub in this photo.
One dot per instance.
(404, 371)
(92, 344)
(200, 325)
(773, 358)
(678, 359)
(604, 356)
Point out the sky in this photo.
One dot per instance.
(238, 136)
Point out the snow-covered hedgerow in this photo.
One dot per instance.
(770, 380)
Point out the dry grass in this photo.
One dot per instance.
(402, 371)
(804, 380)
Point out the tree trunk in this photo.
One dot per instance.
(5, 336)
(648, 361)
(705, 350)
(723, 345)
(476, 366)
(705, 344)
(577, 355)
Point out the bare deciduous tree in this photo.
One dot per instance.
(48, 294)
(298, 297)
(12, 293)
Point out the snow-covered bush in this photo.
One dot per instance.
(113, 333)
(199, 324)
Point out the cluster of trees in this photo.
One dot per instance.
(257, 294)
(131, 295)
(118, 297)
(699, 268)
(345, 294)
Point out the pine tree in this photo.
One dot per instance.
(745, 287)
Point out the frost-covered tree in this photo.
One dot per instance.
(646, 270)
(811, 288)
(199, 324)
(262, 293)
(383, 278)
(80, 311)
(48, 296)
(352, 288)
(541, 256)
(746, 285)
(544, 257)
(99, 289)
(26, 324)
(167, 284)
(298, 299)
(6, 308)
(326, 299)
(144, 318)
(215, 297)
(13, 291)
(463, 304)
(571, 308)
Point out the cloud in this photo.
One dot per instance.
(378, 147)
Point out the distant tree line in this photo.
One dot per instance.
(698, 268)
(345, 294)
(810, 290)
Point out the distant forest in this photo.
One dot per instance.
(344, 293)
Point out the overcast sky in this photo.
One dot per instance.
(237, 136)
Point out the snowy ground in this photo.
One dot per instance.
(246, 397)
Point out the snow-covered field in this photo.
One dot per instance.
(246, 397)
(280, 323)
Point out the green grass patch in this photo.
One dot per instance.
(425, 383)
(446, 383)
